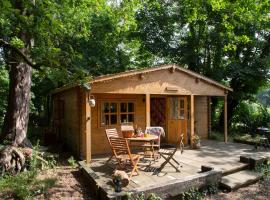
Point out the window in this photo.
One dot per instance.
(177, 108)
(126, 112)
(115, 113)
(109, 113)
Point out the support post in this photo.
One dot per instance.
(147, 102)
(225, 120)
(209, 116)
(191, 119)
(88, 131)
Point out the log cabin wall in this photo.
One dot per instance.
(69, 124)
(98, 137)
(201, 116)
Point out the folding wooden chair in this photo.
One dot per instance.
(111, 133)
(168, 155)
(123, 156)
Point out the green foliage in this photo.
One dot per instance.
(192, 194)
(225, 40)
(72, 162)
(72, 40)
(249, 117)
(248, 137)
(264, 169)
(152, 196)
(198, 194)
(26, 185)
(215, 135)
(264, 97)
(4, 81)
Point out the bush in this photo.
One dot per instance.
(249, 117)
(264, 169)
(72, 162)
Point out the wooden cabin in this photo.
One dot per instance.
(169, 96)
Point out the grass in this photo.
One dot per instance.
(24, 185)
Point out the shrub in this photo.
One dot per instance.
(192, 194)
(264, 169)
(72, 162)
(249, 117)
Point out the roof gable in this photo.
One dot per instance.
(99, 84)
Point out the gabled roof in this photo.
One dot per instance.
(105, 78)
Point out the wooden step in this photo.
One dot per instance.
(239, 179)
(240, 167)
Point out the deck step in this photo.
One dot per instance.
(240, 179)
(241, 167)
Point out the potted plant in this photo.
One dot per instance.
(196, 141)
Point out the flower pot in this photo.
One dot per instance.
(127, 134)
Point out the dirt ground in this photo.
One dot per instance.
(70, 184)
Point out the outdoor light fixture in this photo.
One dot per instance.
(90, 98)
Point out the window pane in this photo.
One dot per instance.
(130, 117)
(182, 104)
(113, 107)
(123, 107)
(105, 120)
(174, 108)
(113, 119)
(182, 114)
(123, 118)
(130, 107)
(106, 107)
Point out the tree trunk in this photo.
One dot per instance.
(16, 121)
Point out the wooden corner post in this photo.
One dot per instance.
(225, 120)
(191, 119)
(88, 130)
(147, 106)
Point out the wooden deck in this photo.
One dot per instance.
(222, 157)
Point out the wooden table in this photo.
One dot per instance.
(148, 143)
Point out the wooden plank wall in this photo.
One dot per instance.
(159, 82)
(70, 124)
(98, 138)
(201, 116)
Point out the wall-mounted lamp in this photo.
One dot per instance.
(91, 100)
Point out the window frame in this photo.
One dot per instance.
(118, 112)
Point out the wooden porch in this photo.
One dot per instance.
(224, 158)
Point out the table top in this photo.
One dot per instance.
(148, 138)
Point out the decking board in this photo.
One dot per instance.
(222, 157)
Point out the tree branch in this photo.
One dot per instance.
(19, 52)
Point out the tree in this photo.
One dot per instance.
(70, 38)
(226, 40)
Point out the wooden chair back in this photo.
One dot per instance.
(123, 155)
(111, 133)
(120, 146)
